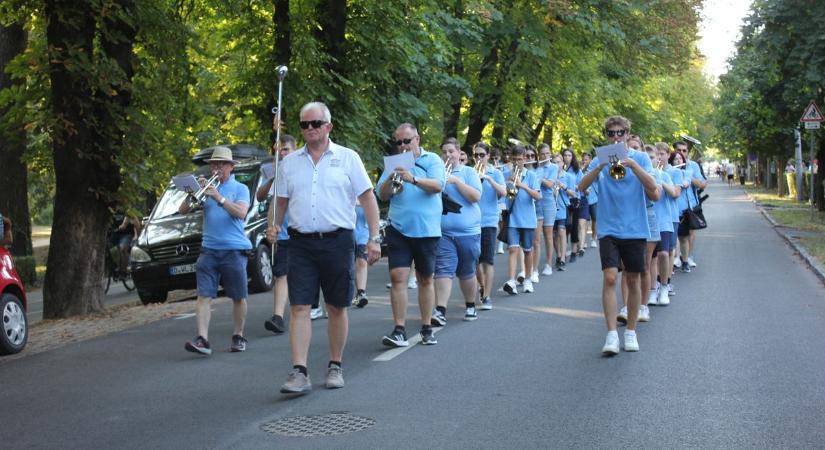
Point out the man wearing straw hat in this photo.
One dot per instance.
(223, 251)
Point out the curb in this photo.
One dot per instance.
(816, 267)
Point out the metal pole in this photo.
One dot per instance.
(282, 70)
(811, 162)
(798, 157)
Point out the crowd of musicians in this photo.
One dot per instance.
(449, 214)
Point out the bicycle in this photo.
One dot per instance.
(112, 273)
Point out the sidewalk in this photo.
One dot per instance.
(41, 235)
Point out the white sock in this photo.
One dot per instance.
(630, 332)
(614, 333)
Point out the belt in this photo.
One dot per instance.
(295, 234)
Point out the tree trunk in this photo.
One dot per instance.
(281, 55)
(14, 202)
(453, 115)
(534, 136)
(331, 33)
(92, 123)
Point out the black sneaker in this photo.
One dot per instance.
(685, 267)
(581, 252)
(560, 265)
(398, 338)
(573, 257)
(238, 343)
(198, 345)
(427, 337)
(275, 324)
(438, 319)
(361, 300)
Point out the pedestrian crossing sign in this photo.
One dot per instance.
(812, 114)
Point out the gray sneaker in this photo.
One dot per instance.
(335, 377)
(438, 319)
(296, 383)
(486, 304)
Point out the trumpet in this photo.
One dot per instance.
(200, 196)
(511, 188)
(397, 183)
(617, 170)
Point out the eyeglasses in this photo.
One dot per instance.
(401, 142)
(315, 123)
(611, 133)
(479, 155)
(530, 156)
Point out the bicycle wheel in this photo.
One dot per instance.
(128, 283)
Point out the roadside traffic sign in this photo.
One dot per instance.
(811, 125)
(812, 114)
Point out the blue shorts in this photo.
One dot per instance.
(222, 267)
(666, 244)
(539, 210)
(280, 263)
(322, 265)
(361, 251)
(457, 256)
(674, 238)
(591, 209)
(584, 209)
(488, 245)
(548, 209)
(521, 237)
(403, 251)
(653, 226)
(560, 223)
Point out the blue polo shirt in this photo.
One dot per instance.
(676, 176)
(567, 180)
(414, 212)
(362, 231)
(622, 203)
(222, 231)
(489, 198)
(550, 172)
(683, 202)
(662, 207)
(695, 173)
(468, 220)
(524, 211)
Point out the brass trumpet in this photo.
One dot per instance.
(511, 188)
(200, 196)
(617, 170)
(397, 183)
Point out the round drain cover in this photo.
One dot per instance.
(322, 425)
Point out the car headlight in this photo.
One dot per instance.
(139, 255)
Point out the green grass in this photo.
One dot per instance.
(815, 246)
(770, 198)
(801, 219)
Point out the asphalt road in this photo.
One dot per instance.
(735, 361)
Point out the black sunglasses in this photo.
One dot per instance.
(479, 155)
(401, 142)
(315, 123)
(611, 133)
(530, 155)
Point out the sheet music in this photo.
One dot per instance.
(607, 152)
(404, 160)
(186, 183)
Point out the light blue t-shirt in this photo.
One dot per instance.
(490, 199)
(684, 200)
(566, 181)
(468, 220)
(622, 203)
(661, 207)
(550, 172)
(676, 176)
(362, 231)
(415, 212)
(695, 173)
(524, 211)
(222, 231)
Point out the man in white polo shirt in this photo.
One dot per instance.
(319, 184)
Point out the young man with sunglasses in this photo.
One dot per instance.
(623, 230)
(522, 223)
(319, 184)
(492, 189)
(460, 243)
(693, 174)
(413, 232)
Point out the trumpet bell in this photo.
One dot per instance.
(617, 171)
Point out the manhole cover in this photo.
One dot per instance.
(323, 425)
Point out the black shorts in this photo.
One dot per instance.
(684, 227)
(322, 265)
(402, 251)
(592, 209)
(280, 262)
(630, 252)
(488, 245)
(730, 177)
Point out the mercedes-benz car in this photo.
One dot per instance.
(164, 256)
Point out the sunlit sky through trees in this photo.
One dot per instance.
(719, 31)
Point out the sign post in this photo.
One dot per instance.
(812, 118)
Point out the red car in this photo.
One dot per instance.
(13, 307)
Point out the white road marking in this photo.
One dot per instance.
(184, 316)
(392, 353)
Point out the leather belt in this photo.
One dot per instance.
(293, 233)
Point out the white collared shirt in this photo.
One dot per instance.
(322, 197)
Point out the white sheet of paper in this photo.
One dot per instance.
(605, 152)
(186, 183)
(404, 160)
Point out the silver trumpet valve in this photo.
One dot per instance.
(200, 196)
(397, 183)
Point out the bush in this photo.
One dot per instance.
(27, 269)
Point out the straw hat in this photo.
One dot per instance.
(221, 154)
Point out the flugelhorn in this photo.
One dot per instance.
(200, 196)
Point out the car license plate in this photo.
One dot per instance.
(178, 270)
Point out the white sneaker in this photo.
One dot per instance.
(690, 262)
(664, 299)
(316, 313)
(677, 263)
(389, 285)
(670, 291)
(535, 277)
(631, 344)
(593, 244)
(644, 314)
(510, 287)
(547, 270)
(520, 278)
(412, 283)
(622, 317)
(611, 344)
(500, 249)
(528, 286)
(653, 297)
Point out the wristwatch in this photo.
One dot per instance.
(415, 182)
(377, 239)
(223, 200)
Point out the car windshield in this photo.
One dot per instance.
(169, 203)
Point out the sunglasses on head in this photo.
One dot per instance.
(401, 142)
(611, 133)
(315, 123)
